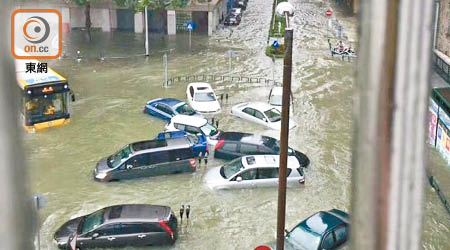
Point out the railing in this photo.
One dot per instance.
(441, 67)
(434, 183)
(253, 81)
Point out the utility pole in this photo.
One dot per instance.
(284, 9)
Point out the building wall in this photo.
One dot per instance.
(443, 36)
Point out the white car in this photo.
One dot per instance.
(194, 125)
(261, 113)
(202, 99)
(253, 171)
(276, 98)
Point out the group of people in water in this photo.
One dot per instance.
(342, 49)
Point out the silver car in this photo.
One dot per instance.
(253, 171)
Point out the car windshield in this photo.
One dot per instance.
(208, 129)
(273, 115)
(117, 158)
(276, 100)
(304, 239)
(185, 109)
(92, 221)
(204, 97)
(231, 168)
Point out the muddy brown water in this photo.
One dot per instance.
(108, 114)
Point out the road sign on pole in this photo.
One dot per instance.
(190, 26)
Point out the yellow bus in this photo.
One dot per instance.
(45, 101)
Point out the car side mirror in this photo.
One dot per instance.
(265, 119)
(239, 179)
(286, 232)
(129, 166)
(95, 235)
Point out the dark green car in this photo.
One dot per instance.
(323, 230)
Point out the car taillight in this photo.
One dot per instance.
(167, 228)
(207, 148)
(219, 144)
(193, 163)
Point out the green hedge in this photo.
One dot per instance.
(277, 53)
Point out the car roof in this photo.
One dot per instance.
(170, 101)
(246, 137)
(261, 106)
(137, 212)
(201, 86)
(154, 145)
(267, 161)
(189, 120)
(322, 222)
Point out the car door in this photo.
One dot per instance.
(166, 110)
(152, 234)
(245, 179)
(132, 234)
(248, 149)
(158, 163)
(267, 177)
(260, 118)
(132, 168)
(229, 151)
(104, 236)
(248, 114)
(159, 112)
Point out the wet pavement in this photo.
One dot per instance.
(108, 114)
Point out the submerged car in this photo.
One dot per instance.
(261, 113)
(147, 158)
(276, 98)
(254, 171)
(202, 98)
(323, 230)
(232, 20)
(236, 144)
(120, 226)
(194, 126)
(199, 141)
(166, 108)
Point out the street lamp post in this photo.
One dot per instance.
(284, 9)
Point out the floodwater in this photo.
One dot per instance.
(108, 114)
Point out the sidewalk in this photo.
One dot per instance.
(438, 176)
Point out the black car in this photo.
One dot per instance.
(119, 226)
(232, 145)
(146, 159)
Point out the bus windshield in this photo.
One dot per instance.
(45, 107)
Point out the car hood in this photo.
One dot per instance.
(213, 178)
(102, 166)
(212, 106)
(66, 230)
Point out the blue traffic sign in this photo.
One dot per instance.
(275, 44)
(190, 26)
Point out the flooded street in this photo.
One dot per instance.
(107, 114)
